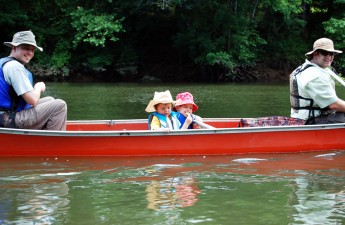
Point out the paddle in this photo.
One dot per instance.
(341, 81)
(204, 125)
(201, 124)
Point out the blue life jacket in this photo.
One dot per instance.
(9, 100)
(182, 119)
(163, 120)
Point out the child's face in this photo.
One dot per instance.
(164, 109)
(184, 109)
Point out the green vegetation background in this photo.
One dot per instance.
(173, 40)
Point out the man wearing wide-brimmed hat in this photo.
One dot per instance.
(312, 88)
(21, 105)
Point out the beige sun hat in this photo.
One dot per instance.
(324, 44)
(159, 97)
(23, 37)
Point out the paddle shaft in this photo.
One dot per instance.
(204, 125)
(341, 81)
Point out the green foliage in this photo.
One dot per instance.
(98, 61)
(94, 29)
(284, 7)
(220, 58)
(227, 37)
(61, 54)
(221, 36)
(335, 29)
(248, 41)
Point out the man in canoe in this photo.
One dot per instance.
(312, 88)
(21, 105)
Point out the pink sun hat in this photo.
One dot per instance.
(186, 98)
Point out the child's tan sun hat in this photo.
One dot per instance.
(159, 97)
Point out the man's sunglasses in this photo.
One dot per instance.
(325, 53)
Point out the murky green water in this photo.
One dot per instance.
(238, 189)
(122, 101)
(260, 189)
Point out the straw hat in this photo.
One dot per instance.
(23, 37)
(324, 44)
(159, 97)
(186, 98)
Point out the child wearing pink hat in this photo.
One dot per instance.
(185, 106)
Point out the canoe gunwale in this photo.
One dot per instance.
(128, 138)
(237, 130)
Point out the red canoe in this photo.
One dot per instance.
(131, 138)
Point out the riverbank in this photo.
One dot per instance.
(163, 74)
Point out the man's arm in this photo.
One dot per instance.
(16, 75)
(338, 106)
(32, 97)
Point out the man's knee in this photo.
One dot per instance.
(61, 104)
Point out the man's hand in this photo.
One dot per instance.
(32, 97)
(40, 87)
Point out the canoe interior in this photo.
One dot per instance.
(141, 124)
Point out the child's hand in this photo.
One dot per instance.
(195, 125)
(189, 118)
(187, 122)
(162, 129)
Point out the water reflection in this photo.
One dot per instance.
(33, 201)
(43, 202)
(260, 189)
(171, 193)
(314, 203)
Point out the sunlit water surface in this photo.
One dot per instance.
(306, 188)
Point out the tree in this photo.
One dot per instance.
(221, 40)
(335, 28)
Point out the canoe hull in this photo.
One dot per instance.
(124, 142)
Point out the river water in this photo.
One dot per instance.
(123, 101)
(306, 188)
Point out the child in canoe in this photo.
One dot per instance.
(185, 106)
(161, 115)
